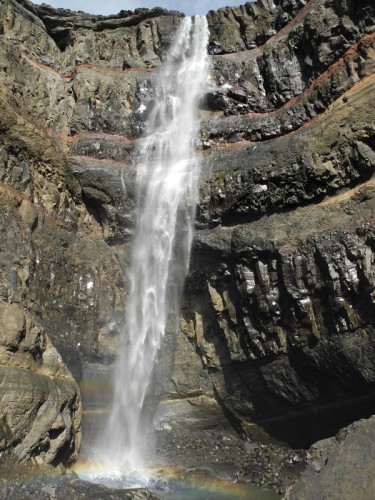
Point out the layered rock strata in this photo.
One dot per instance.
(284, 321)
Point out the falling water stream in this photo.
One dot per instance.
(167, 178)
(167, 183)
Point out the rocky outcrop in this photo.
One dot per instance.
(97, 83)
(40, 403)
(339, 467)
(234, 29)
(282, 313)
(48, 238)
(61, 284)
(40, 400)
(332, 152)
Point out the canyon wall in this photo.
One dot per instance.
(277, 321)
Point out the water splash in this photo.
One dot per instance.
(167, 197)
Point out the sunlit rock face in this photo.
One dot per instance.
(280, 298)
(278, 313)
(40, 401)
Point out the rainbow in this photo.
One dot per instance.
(174, 484)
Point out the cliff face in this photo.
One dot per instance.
(278, 315)
(280, 301)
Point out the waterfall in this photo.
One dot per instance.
(167, 179)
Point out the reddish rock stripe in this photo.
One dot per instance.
(277, 36)
(244, 143)
(345, 58)
(93, 159)
(361, 83)
(101, 69)
(296, 20)
(42, 212)
(65, 139)
(72, 139)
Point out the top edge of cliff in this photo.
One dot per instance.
(44, 9)
(122, 14)
(85, 19)
(261, 19)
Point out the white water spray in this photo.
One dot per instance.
(167, 196)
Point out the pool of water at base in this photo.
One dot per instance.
(183, 489)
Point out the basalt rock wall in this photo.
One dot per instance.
(280, 300)
(277, 320)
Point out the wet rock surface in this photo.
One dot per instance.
(196, 444)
